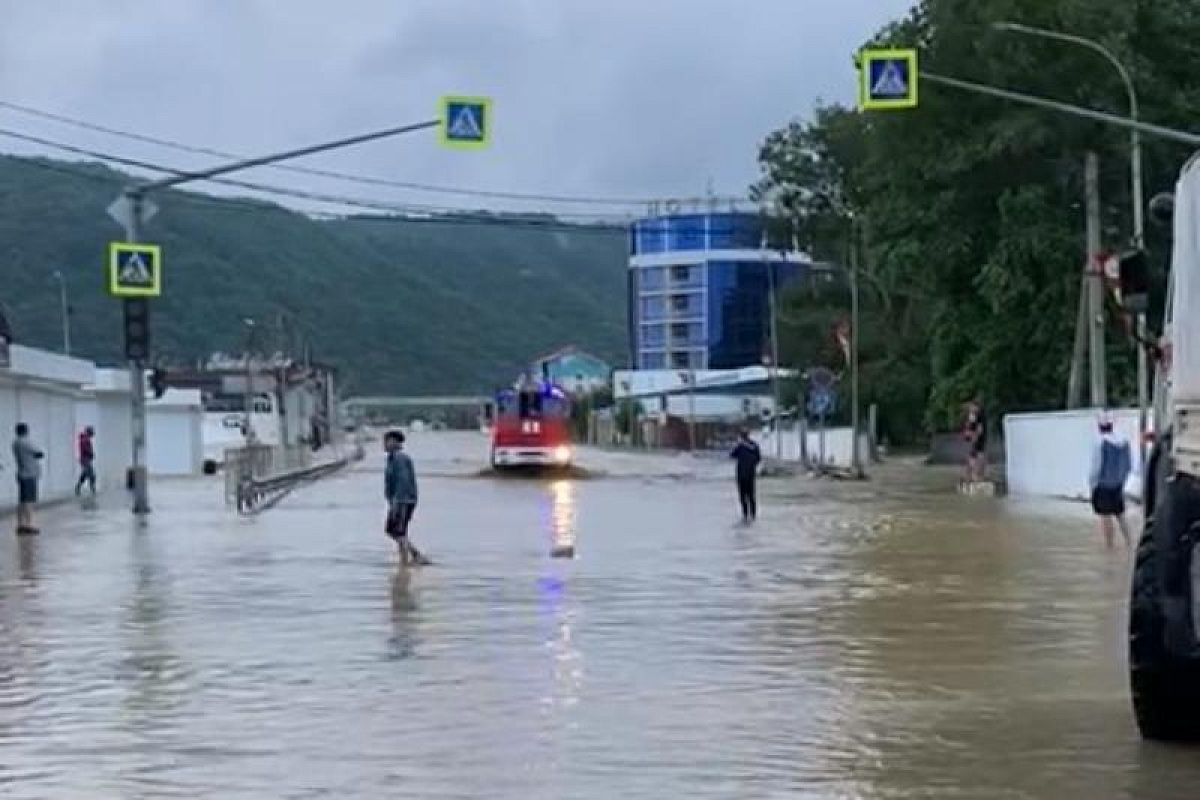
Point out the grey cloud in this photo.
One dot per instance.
(600, 98)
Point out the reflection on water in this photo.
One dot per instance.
(558, 608)
(562, 519)
(402, 642)
(27, 554)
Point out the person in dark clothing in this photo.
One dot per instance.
(975, 432)
(747, 456)
(400, 489)
(87, 461)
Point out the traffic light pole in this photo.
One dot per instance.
(137, 374)
(136, 199)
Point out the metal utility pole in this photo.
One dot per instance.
(1135, 191)
(1096, 366)
(855, 460)
(137, 368)
(249, 387)
(133, 208)
(1075, 379)
(769, 268)
(691, 381)
(66, 311)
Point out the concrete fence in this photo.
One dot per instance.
(1050, 453)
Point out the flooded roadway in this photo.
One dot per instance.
(881, 640)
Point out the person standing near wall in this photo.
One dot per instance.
(975, 433)
(1111, 464)
(29, 470)
(87, 461)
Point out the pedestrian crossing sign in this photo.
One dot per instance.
(887, 79)
(134, 270)
(466, 122)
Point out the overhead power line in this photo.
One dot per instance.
(424, 214)
(365, 180)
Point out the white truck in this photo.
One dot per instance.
(1164, 614)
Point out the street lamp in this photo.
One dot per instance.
(66, 311)
(1135, 177)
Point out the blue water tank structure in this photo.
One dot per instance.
(699, 290)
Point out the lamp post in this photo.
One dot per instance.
(1135, 177)
(66, 311)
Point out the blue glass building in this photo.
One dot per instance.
(699, 290)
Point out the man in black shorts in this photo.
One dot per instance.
(1112, 461)
(400, 489)
(29, 470)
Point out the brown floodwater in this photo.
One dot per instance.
(880, 640)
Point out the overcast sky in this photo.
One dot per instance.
(627, 98)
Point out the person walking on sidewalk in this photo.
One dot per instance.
(1111, 464)
(400, 489)
(87, 461)
(29, 470)
(747, 456)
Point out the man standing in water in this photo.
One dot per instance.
(1111, 464)
(29, 470)
(400, 489)
(747, 455)
(975, 432)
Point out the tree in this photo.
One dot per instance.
(968, 210)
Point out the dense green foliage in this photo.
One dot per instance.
(409, 306)
(969, 209)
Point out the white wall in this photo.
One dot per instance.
(836, 453)
(174, 433)
(1050, 453)
(41, 389)
(709, 407)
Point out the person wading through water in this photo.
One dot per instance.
(747, 456)
(1111, 464)
(400, 489)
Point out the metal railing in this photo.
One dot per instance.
(257, 477)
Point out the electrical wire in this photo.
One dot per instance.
(425, 214)
(343, 176)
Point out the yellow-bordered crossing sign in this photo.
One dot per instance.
(466, 122)
(134, 270)
(887, 79)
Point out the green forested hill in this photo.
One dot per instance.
(443, 305)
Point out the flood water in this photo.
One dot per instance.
(878, 640)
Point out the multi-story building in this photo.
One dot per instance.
(699, 291)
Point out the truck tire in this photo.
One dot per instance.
(1165, 686)
(1164, 700)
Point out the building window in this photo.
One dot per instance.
(689, 333)
(652, 308)
(653, 361)
(653, 336)
(652, 279)
(681, 359)
(681, 274)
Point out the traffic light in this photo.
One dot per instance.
(158, 382)
(1134, 281)
(137, 329)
